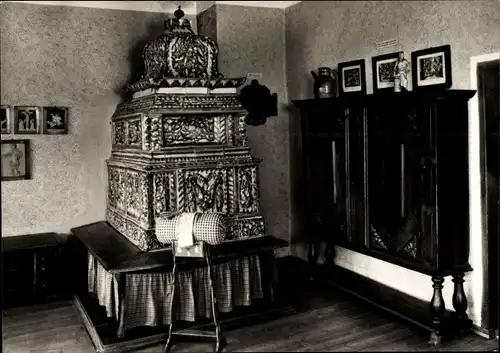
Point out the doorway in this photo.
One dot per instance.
(488, 91)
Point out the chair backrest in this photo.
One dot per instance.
(198, 250)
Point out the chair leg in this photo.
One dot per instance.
(220, 341)
(168, 345)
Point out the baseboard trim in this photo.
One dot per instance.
(403, 306)
(381, 306)
(478, 330)
(483, 332)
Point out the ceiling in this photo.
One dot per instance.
(273, 4)
(189, 7)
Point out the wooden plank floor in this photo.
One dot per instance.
(327, 320)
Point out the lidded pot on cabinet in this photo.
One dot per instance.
(325, 82)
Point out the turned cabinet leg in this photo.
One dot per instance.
(274, 285)
(329, 252)
(313, 253)
(312, 257)
(437, 310)
(460, 305)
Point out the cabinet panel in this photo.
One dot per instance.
(340, 183)
(18, 277)
(400, 187)
(324, 170)
(21, 260)
(354, 157)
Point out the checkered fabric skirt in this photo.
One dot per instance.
(146, 298)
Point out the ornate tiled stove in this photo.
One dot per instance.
(181, 153)
(178, 145)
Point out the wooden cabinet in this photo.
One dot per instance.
(31, 264)
(387, 175)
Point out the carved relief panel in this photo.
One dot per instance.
(119, 133)
(134, 198)
(242, 228)
(143, 238)
(164, 193)
(203, 190)
(248, 191)
(155, 131)
(116, 193)
(134, 132)
(195, 129)
(128, 132)
(129, 193)
(116, 221)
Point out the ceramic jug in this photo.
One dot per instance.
(325, 82)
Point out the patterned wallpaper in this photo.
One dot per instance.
(75, 57)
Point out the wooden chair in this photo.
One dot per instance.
(200, 250)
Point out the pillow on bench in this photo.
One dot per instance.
(210, 228)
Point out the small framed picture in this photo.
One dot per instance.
(431, 68)
(352, 77)
(55, 120)
(383, 71)
(26, 120)
(6, 119)
(15, 161)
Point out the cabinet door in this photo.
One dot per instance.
(398, 179)
(324, 162)
(355, 175)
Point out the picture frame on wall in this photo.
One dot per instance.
(55, 120)
(15, 160)
(431, 68)
(6, 119)
(352, 77)
(383, 72)
(26, 120)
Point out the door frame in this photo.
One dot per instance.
(477, 208)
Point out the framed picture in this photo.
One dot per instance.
(6, 119)
(55, 120)
(15, 161)
(352, 77)
(383, 71)
(431, 68)
(26, 120)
